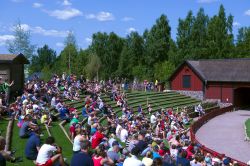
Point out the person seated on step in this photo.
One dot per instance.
(27, 127)
(49, 154)
(33, 145)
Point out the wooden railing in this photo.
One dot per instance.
(204, 119)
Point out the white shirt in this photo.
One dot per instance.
(124, 135)
(153, 119)
(45, 153)
(132, 161)
(117, 130)
(89, 120)
(77, 143)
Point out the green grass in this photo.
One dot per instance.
(247, 123)
(62, 140)
(19, 144)
(3, 127)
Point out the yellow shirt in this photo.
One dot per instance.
(44, 118)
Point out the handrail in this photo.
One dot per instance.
(204, 119)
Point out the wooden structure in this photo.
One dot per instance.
(12, 69)
(225, 79)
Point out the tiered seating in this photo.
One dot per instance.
(157, 100)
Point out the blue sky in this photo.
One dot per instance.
(50, 20)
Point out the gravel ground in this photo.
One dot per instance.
(225, 134)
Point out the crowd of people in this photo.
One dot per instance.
(135, 138)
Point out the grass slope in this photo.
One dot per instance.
(247, 124)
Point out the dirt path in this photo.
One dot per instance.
(225, 134)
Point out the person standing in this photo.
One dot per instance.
(4, 88)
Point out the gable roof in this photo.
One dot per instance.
(220, 70)
(11, 58)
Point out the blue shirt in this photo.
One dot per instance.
(84, 113)
(81, 159)
(24, 129)
(182, 161)
(156, 155)
(32, 143)
(63, 112)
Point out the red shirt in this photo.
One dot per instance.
(72, 129)
(97, 139)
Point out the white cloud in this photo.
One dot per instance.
(236, 24)
(59, 44)
(129, 30)
(37, 5)
(206, 1)
(5, 38)
(66, 3)
(128, 19)
(88, 40)
(247, 12)
(65, 14)
(42, 31)
(50, 32)
(101, 16)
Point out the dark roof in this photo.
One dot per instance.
(222, 70)
(11, 58)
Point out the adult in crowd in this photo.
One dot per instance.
(49, 154)
(83, 157)
(133, 160)
(27, 127)
(33, 145)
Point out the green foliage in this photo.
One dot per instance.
(243, 43)
(157, 42)
(247, 125)
(108, 47)
(163, 70)
(131, 55)
(220, 38)
(93, 66)
(21, 42)
(46, 73)
(67, 60)
(45, 57)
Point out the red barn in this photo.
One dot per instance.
(225, 79)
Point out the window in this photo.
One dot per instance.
(186, 81)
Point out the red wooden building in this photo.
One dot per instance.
(225, 79)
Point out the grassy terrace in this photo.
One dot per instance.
(156, 99)
(18, 144)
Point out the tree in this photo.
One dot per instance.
(163, 70)
(108, 48)
(45, 57)
(70, 39)
(198, 41)
(21, 42)
(69, 56)
(158, 41)
(184, 35)
(131, 55)
(67, 60)
(220, 37)
(243, 42)
(93, 66)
